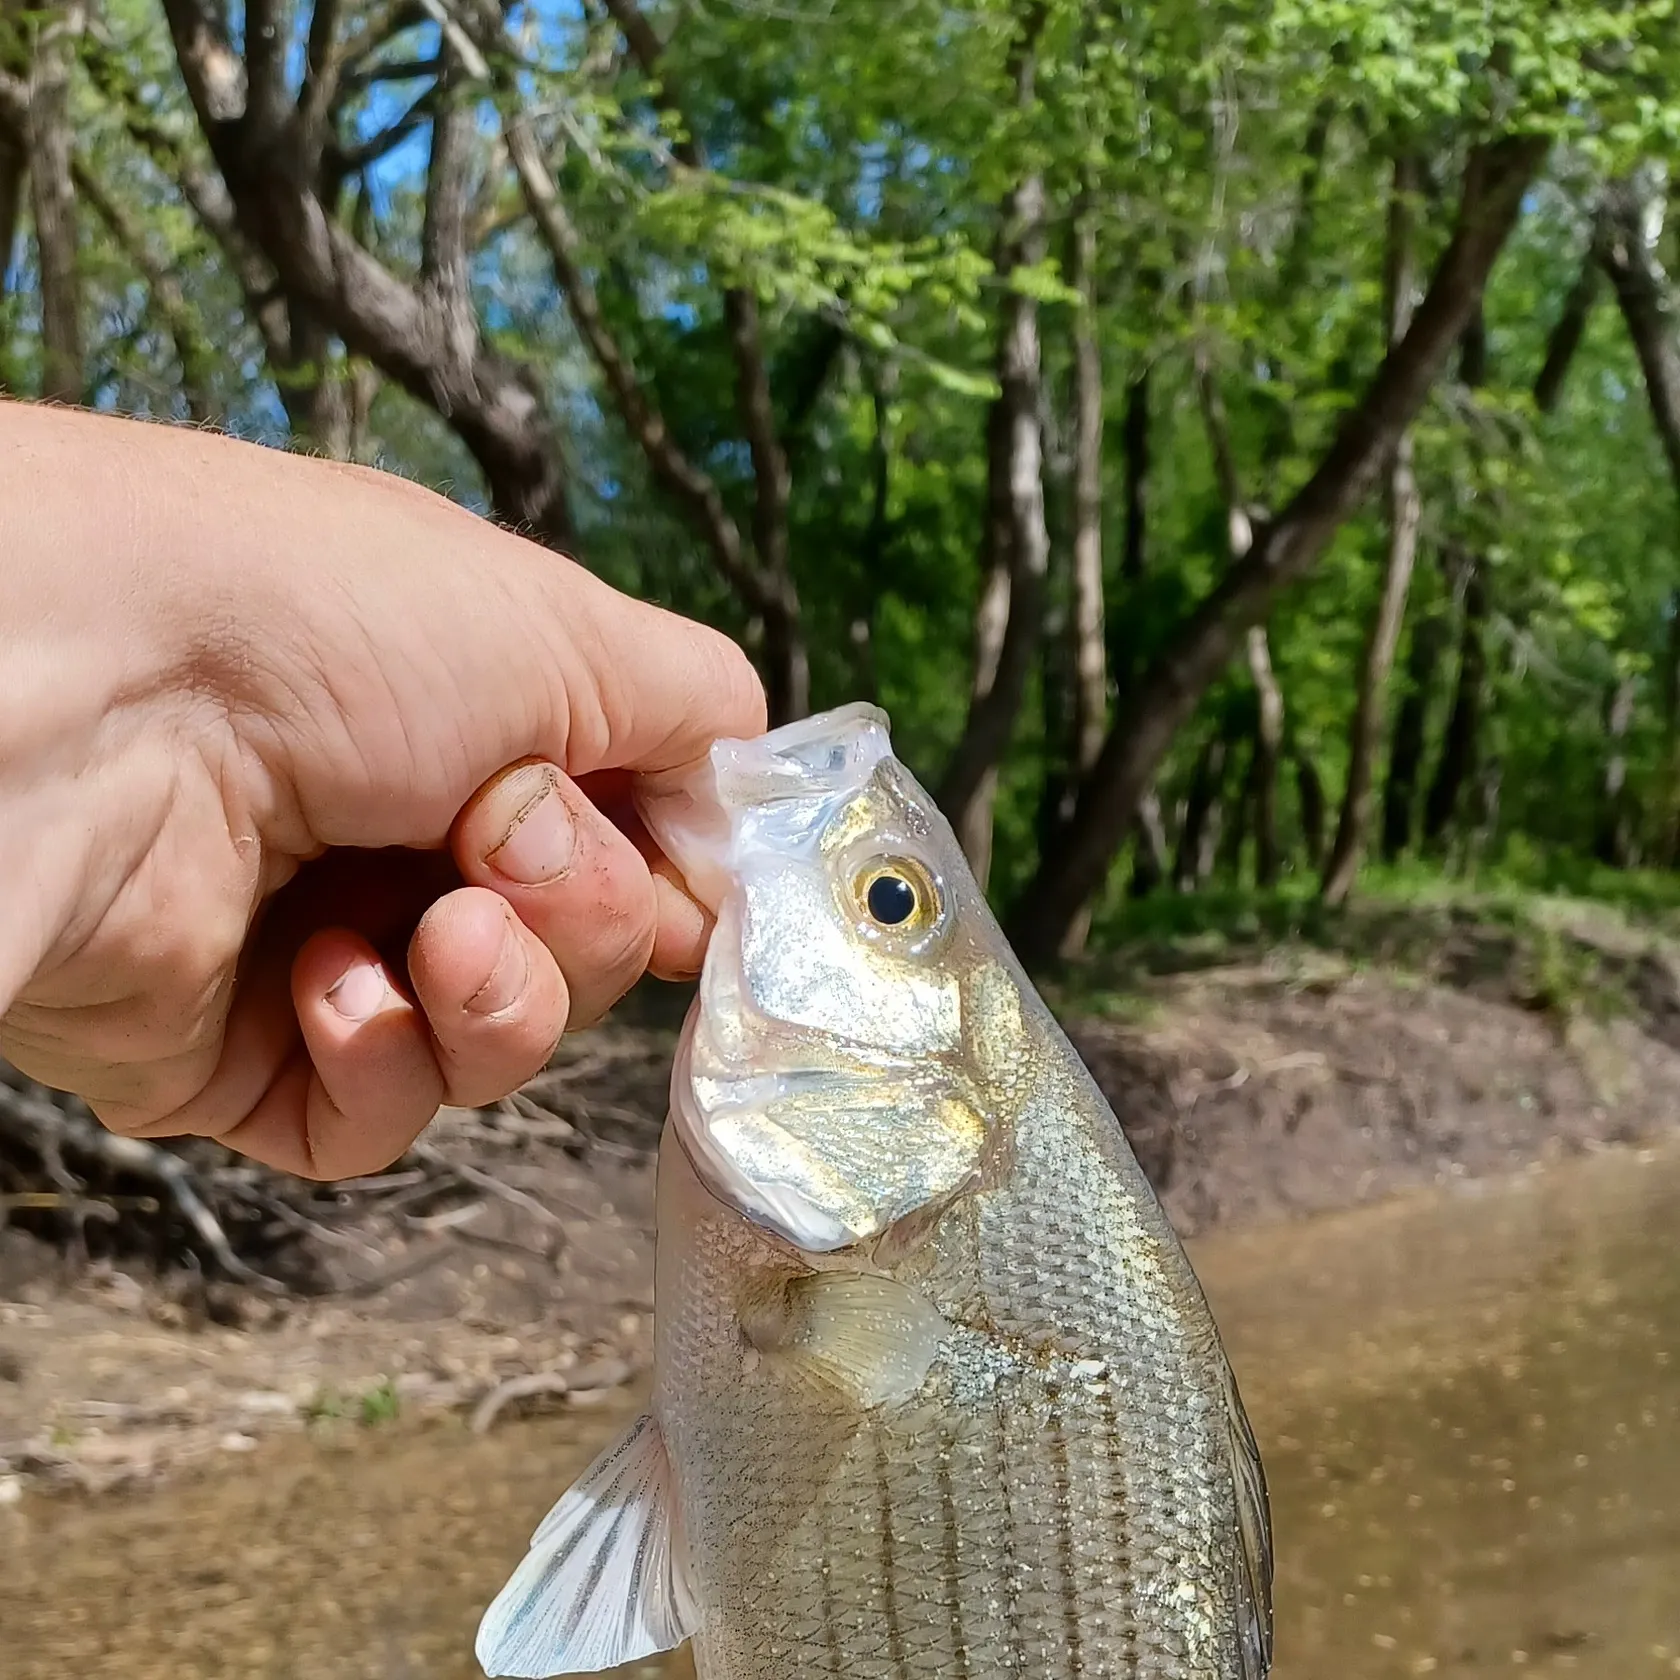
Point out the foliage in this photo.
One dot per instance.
(846, 167)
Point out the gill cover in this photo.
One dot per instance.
(826, 1083)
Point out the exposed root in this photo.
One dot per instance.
(589, 1379)
(504, 1178)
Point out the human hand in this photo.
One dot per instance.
(308, 781)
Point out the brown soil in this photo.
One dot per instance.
(1252, 1092)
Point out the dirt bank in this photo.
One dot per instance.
(510, 1267)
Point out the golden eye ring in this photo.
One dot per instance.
(896, 896)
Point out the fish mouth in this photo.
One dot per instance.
(775, 791)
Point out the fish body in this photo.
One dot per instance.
(936, 1391)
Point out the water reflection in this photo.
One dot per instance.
(1470, 1406)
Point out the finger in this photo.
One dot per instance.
(376, 1081)
(685, 687)
(573, 878)
(682, 926)
(493, 995)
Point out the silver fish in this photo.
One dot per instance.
(936, 1392)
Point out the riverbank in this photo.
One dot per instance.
(511, 1271)
(1468, 1399)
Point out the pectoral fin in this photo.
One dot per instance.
(873, 1336)
(605, 1581)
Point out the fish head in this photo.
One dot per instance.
(855, 1048)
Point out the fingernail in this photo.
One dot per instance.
(540, 839)
(509, 976)
(359, 992)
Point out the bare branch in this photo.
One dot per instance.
(206, 193)
(688, 484)
(386, 141)
(393, 70)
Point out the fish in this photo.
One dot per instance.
(936, 1391)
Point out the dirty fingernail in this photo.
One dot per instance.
(509, 976)
(539, 840)
(359, 993)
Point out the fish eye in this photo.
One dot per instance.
(897, 895)
(891, 899)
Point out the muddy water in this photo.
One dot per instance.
(1470, 1406)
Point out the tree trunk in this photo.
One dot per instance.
(1198, 839)
(1090, 660)
(787, 664)
(1496, 180)
(1268, 749)
(1642, 292)
(1612, 843)
(1134, 451)
(53, 202)
(1566, 336)
(14, 173)
(861, 629)
(1017, 546)
(1149, 854)
(1664, 836)
(1460, 745)
(1309, 792)
(1405, 762)
(1405, 513)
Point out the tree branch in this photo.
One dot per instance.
(211, 70)
(1566, 335)
(1642, 292)
(323, 64)
(688, 484)
(443, 235)
(492, 403)
(206, 193)
(267, 32)
(1285, 549)
(788, 675)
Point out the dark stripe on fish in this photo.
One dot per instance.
(889, 1560)
(1119, 1516)
(1072, 1636)
(830, 1629)
(1011, 1548)
(950, 1562)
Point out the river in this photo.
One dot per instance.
(1469, 1404)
